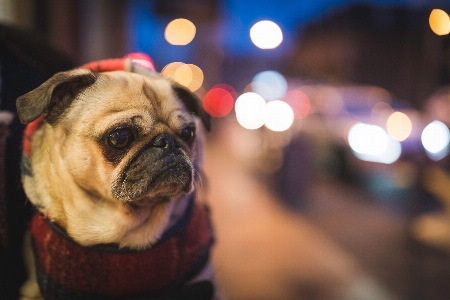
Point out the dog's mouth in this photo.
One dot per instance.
(154, 177)
(146, 202)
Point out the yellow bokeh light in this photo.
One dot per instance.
(196, 79)
(399, 126)
(439, 22)
(266, 35)
(188, 75)
(183, 75)
(180, 32)
(170, 69)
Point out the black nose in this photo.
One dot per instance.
(165, 141)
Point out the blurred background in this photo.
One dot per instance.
(326, 168)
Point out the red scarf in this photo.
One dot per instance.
(66, 268)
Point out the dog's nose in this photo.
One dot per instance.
(165, 141)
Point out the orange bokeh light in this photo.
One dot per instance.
(439, 22)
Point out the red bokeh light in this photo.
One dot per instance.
(228, 88)
(299, 103)
(219, 101)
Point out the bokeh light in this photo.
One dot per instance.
(266, 35)
(439, 22)
(219, 101)
(183, 75)
(390, 154)
(399, 126)
(279, 115)
(191, 72)
(271, 85)
(250, 110)
(367, 139)
(188, 75)
(314, 96)
(228, 88)
(170, 69)
(372, 143)
(299, 103)
(180, 32)
(435, 139)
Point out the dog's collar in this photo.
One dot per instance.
(67, 268)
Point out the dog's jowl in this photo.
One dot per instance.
(112, 157)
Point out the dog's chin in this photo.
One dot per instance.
(159, 187)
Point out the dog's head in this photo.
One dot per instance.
(110, 140)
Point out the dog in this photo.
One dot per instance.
(111, 162)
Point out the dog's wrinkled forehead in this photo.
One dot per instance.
(119, 96)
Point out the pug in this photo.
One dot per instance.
(111, 163)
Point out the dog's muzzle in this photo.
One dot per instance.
(161, 169)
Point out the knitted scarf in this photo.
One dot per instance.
(67, 270)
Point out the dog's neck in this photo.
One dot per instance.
(179, 209)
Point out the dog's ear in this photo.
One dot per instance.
(52, 97)
(192, 103)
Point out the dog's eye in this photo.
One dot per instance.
(120, 138)
(188, 134)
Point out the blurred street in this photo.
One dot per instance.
(265, 251)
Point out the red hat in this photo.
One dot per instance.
(129, 62)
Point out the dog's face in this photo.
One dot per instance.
(115, 150)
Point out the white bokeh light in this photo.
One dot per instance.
(392, 152)
(250, 110)
(279, 115)
(266, 35)
(372, 143)
(435, 139)
(270, 85)
(367, 139)
(390, 155)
